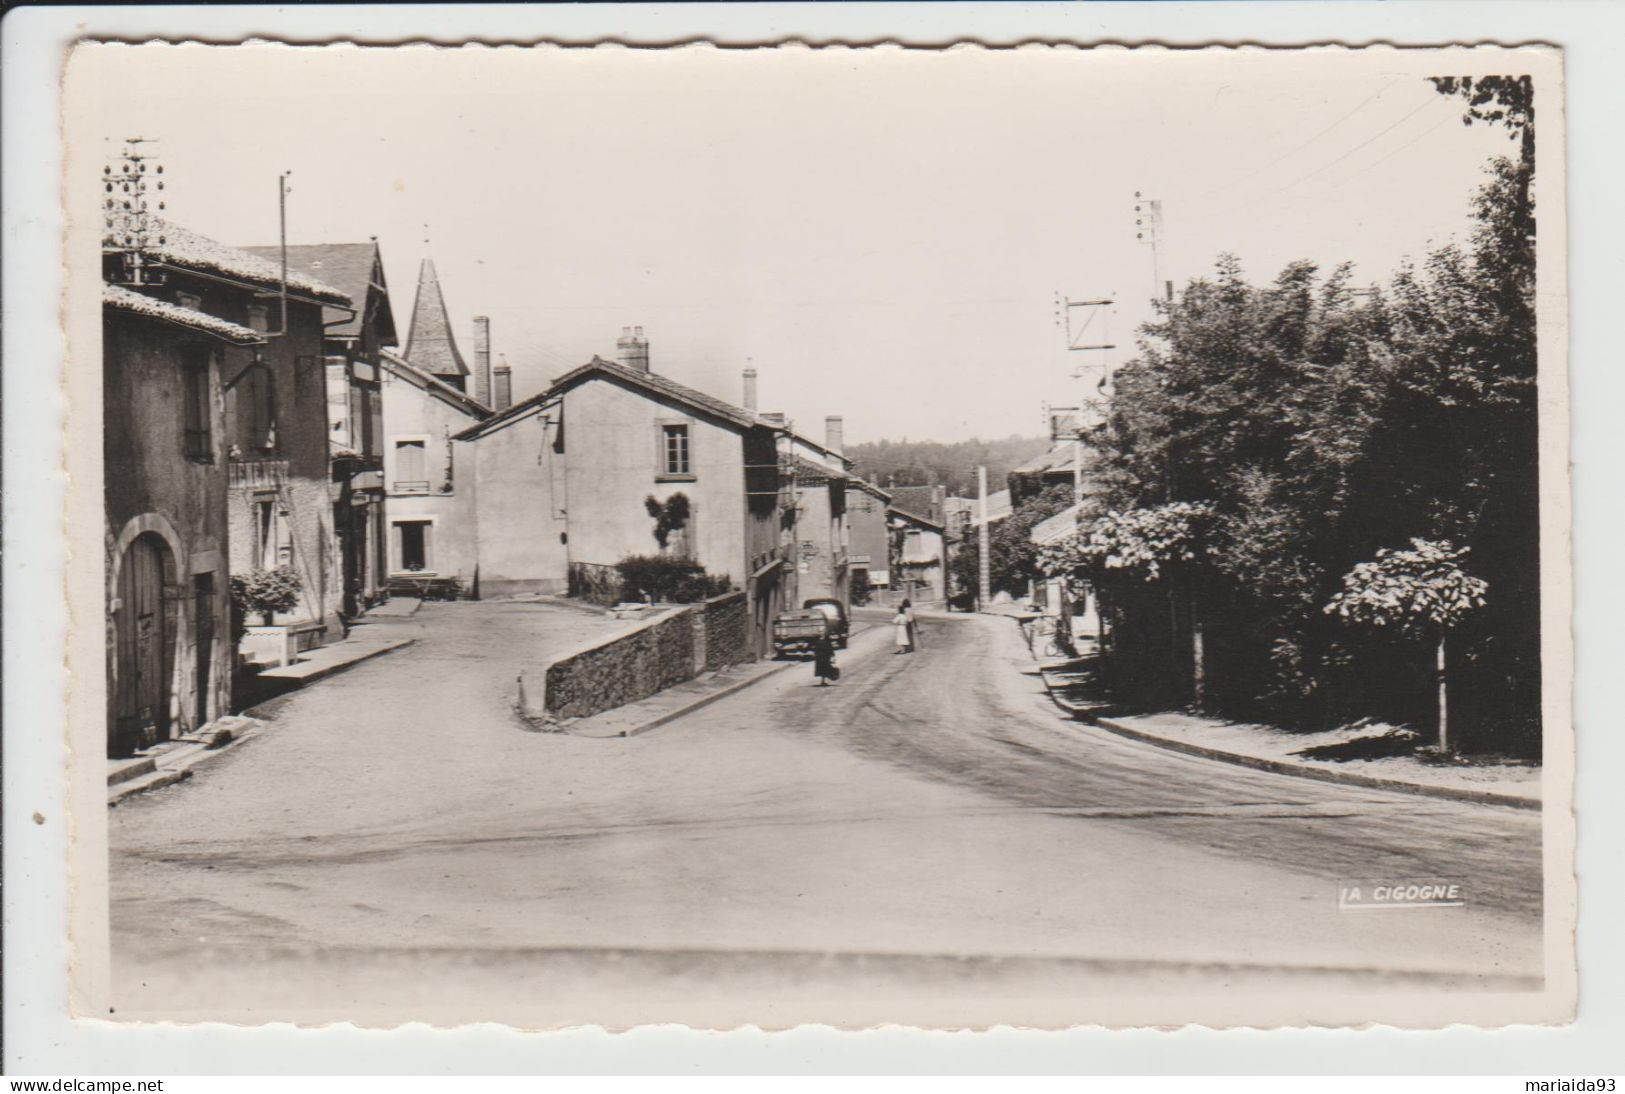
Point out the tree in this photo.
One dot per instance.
(1166, 542)
(672, 516)
(1012, 557)
(1420, 591)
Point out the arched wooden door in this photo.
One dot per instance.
(142, 687)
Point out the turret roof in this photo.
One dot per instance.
(430, 345)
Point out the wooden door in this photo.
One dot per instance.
(141, 711)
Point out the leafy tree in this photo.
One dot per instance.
(1420, 591)
(670, 516)
(1012, 557)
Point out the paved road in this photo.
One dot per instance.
(929, 829)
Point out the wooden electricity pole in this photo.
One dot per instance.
(984, 592)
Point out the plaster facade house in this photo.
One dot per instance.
(919, 556)
(353, 341)
(870, 555)
(564, 478)
(429, 509)
(192, 432)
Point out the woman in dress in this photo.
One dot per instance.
(824, 660)
(903, 622)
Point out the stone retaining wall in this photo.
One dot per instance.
(677, 644)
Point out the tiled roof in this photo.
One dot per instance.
(353, 268)
(922, 500)
(1056, 528)
(1058, 458)
(178, 246)
(998, 507)
(895, 510)
(399, 365)
(430, 344)
(812, 472)
(119, 298)
(871, 489)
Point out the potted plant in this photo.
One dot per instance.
(266, 592)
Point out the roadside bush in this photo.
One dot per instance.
(668, 580)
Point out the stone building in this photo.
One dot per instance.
(429, 507)
(919, 559)
(565, 479)
(203, 411)
(870, 538)
(353, 340)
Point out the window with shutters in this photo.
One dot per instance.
(675, 459)
(411, 466)
(197, 429)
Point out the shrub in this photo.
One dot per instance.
(668, 580)
(266, 591)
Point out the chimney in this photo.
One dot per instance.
(750, 390)
(834, 433)
(503, 382)
(482, 359)
(632, 349)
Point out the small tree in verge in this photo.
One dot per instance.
(1419, 592)
(1147, 541)
(266, 591)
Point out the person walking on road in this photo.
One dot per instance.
(824, 660)
(903, 621)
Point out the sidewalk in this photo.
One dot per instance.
(676, 701)
(1377, 756)
(171, 761)
(335, 657)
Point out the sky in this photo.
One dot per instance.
(881, 233)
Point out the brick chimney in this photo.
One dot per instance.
(750, 390)
(502, 377)
(482, 359)
(834, 433)
(632, 349)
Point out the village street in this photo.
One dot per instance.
(397, 839)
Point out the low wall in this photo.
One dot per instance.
(726, 629)
(677, 644)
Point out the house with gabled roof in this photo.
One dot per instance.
(566, 479)
(353, 340)
(429, 535)
(215, 458)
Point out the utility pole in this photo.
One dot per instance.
(984, 591)
(1148, 229)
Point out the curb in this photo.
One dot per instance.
(178, 767)
(296, 682)
(1085, 714)
(705, 700)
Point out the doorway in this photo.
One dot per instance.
(144, 639)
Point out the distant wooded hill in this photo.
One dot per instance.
(928, 463)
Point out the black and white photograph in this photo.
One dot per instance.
(940, 537)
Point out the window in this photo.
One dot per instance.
(411, 467)
(273, 544)
(197, 437)
(674, 454)
(412, 545)
(256, 402)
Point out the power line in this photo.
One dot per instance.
(1323, 168)
(1361, 105)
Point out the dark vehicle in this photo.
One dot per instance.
(835, 611)
(798, 632)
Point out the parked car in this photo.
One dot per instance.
(797, 632)
(839, 626)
